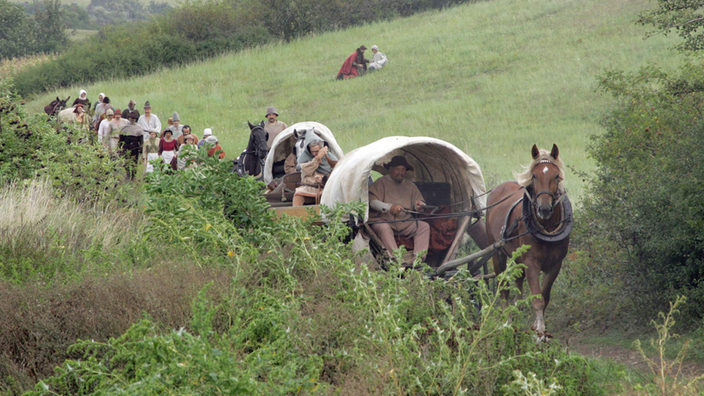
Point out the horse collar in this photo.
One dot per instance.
(537, 231)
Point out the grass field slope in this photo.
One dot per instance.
(491, 77)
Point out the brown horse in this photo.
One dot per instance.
(55, 106)
(535, 211)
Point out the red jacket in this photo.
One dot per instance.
(348, 70)
(217, 147)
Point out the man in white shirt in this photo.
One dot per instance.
(149, 122)
(378, 60)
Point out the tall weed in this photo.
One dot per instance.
(43, 236)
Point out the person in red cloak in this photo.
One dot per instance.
(353, 62)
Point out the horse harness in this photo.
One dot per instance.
(533, 226)
(240, 166)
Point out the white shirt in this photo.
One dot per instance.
(152, 125)
(104, 130)
(378, 61)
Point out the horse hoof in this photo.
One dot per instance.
(542, 337)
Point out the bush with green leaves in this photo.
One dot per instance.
(33, 148)
(646, 199)
(304, 314)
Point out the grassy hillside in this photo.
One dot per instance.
(493, 78)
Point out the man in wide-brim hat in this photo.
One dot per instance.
(390, 199)
(273, 126)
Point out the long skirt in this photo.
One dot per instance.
(151, 157)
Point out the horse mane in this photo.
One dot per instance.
(525, 178)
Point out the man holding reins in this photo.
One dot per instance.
(391, 198)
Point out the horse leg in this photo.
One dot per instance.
(548, 280)
(533, 276)
(519, 285)
(499, 261)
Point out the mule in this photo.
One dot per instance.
(251, 161)
(535, 211)
(55, 106)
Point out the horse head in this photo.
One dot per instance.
(61, 104)
(545, 188)
(258, 139)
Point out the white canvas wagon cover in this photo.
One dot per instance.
(284, 141)
(433, 160)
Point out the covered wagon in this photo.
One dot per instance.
(451, 182)
(284, 144)
(282, 182)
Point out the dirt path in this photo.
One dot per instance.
(628, 357)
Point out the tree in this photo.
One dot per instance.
(686, 17)
(646, 195)
(50, 25)
(16, 31)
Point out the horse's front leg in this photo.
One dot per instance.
(533, 276)
(548, 280)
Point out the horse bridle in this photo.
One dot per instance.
(54, 110)
(557, 197)
(256, 150)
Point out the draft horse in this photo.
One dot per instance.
(251, 161)
(533, 210)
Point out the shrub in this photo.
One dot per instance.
(646, 196)
(40, 322)
(32, 148)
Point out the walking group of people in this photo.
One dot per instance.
(356, 64)
(136, 135)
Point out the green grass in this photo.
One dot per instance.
(492, 78)
(80, 34)
(86, 3)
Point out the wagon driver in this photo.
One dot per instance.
(390, 199)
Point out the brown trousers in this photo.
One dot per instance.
(420, 234)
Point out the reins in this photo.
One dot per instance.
(442, 216)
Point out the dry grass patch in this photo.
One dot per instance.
(10, 67)
(41, 234)
(39, 323)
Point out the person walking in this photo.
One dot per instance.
(132, 139)
(105, 127)
(168, 146)
(131, 109)
(273, 126)
(149, 122)
(206, 132)
(176, 128)
(150, 151)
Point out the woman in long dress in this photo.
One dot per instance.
(167, 148)
(81, 119)
(151, 151)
